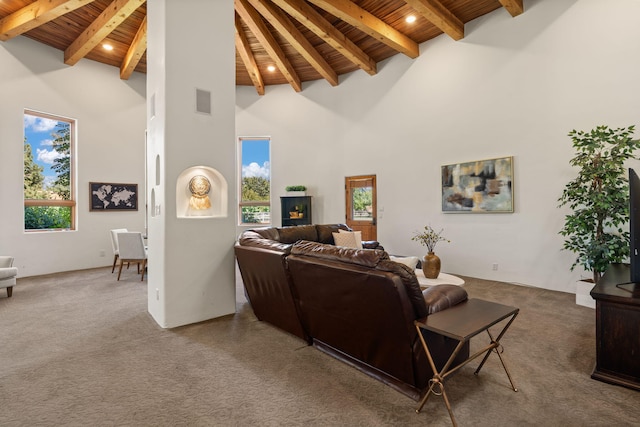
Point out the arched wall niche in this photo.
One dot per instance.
(201, 192)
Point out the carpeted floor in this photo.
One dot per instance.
(80, 349)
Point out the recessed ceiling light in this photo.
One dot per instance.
(410, 19)
(271, 68)
(107, 46)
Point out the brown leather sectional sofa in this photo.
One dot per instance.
(354, 304)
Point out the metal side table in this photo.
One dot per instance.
(463, 322)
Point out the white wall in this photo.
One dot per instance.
(111, 121)
(191, 260)
(511, 87)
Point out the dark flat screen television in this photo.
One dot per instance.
(634, 233)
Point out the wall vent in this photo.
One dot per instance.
(203, 101)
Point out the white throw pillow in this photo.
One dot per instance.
(410, 261)
(358, 235)
(348, 239)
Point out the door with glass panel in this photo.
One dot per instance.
(360, 192)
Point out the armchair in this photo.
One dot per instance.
(8, 274)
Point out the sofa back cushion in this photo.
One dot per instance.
(325, 232)
(364, 257)
(293, 234)
(266, 232)
(256, 239)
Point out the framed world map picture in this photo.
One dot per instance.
(113, 197)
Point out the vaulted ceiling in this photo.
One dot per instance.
(277, 41)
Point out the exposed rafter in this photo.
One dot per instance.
(135, 52)
(36, 14)
(369, 24)
(288, 30)
(439, 16)
(306, 40)
(514, 7)
(244, 51)
(311, 19)
(113, 15)
(252, 18)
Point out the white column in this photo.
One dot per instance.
(190, 50)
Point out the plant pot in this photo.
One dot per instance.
(431, 266)
(583, 293)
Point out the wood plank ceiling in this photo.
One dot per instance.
(277, 41)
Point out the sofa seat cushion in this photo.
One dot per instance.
(441, 297)
(365, 257)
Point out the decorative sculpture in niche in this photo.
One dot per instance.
(199, 186)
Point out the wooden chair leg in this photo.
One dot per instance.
(9, 291)
(120, 269)
(115, 258)
(144, 267)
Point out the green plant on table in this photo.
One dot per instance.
(429, 237)
(598, 198)
(295, 188)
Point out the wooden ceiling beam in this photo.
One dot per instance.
(287, 29)
(369, 24)
(252, 18)
(440, 16)
(136, 50)
(244, 51)
(307, 16)
(36, 14)
(114, 15)
(514, 7)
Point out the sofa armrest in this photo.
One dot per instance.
(372, 244)
(441, 297)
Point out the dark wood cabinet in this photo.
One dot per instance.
(295, 210)
(617, 328)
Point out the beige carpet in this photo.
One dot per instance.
(80, 349)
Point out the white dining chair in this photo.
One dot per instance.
(131, 249)
(114, 244)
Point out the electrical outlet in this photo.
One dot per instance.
(495, 266)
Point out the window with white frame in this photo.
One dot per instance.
(49, 187)
(255, 181)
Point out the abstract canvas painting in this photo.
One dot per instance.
(482, 186)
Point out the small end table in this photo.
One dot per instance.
(463, 322)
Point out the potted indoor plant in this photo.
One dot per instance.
(295, 190)
(599, 198)
(429, 238)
